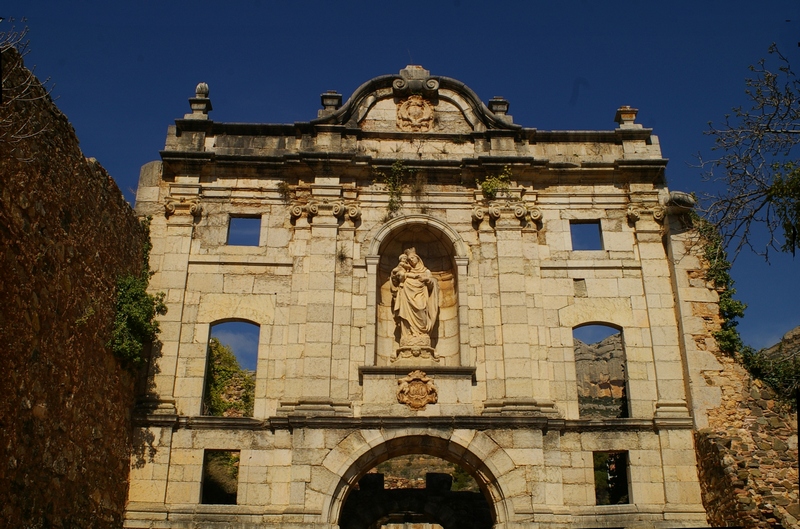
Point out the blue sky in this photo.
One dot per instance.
(122, 72)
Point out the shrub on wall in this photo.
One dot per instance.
(135, 326)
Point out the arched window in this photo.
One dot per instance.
(601, 371)
(231, 369)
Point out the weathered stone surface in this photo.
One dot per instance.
(418, 161)
(67, 235)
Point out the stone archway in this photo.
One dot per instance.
(472, 450)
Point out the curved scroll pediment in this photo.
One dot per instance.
(415, 101)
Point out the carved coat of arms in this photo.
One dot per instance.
(416, 390)
(415, 114)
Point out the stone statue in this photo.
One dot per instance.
(415, 305)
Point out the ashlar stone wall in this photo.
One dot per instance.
(340, 386)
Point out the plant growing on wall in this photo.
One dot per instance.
(779, 370)
(135, 325)
(494, 185)
(718, 273)
(395, 181)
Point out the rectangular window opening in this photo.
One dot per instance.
(220, 477)
(244, 231)
(586, 235)
(611, 478)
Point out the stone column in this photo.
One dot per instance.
(663, 325)
(486, 310)
(513, 312)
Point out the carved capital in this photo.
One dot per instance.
(417, 390)
(496, 210)
(337, 209)
(633, 214)
(173, 206)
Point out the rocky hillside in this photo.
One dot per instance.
(600, 368)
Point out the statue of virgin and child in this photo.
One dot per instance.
(415, 304)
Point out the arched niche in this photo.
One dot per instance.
(444, 253)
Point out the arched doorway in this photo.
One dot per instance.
(366, 503)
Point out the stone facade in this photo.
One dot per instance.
(342, 385)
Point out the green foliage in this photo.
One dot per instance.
(135, 310)
(611, 478)
(784, 194)
(494, 185)
(395, 181)
(220, 477)
(285, 191)
(462, 480)
(230, 390)
(779, 371)
(718, 273)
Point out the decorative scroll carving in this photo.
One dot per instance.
(417, 390)
(402, 87)
(338, 209)
(494, 211)
(354, 211)
(415, 114)
(633, 213)
(179, 206)
(196, 208)
(659, 213)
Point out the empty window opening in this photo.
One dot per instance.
(231, 370)
(220, 477)
(244, 231)
(586, 235)
(611, 478)
(600, 370)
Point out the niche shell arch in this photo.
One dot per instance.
(443, 252)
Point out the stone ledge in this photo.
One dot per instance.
(237, 259)
(595, 264)
(300, 419)
(403, 370)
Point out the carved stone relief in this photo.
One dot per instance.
(415, 114)
(417, 390)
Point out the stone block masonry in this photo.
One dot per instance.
(426, 317)
(66, 235)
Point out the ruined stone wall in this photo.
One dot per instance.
(747, 449)
(66, 234)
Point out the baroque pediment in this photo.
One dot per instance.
(413, 101)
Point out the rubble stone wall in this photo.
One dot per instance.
(67, 234)
(747, 446)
